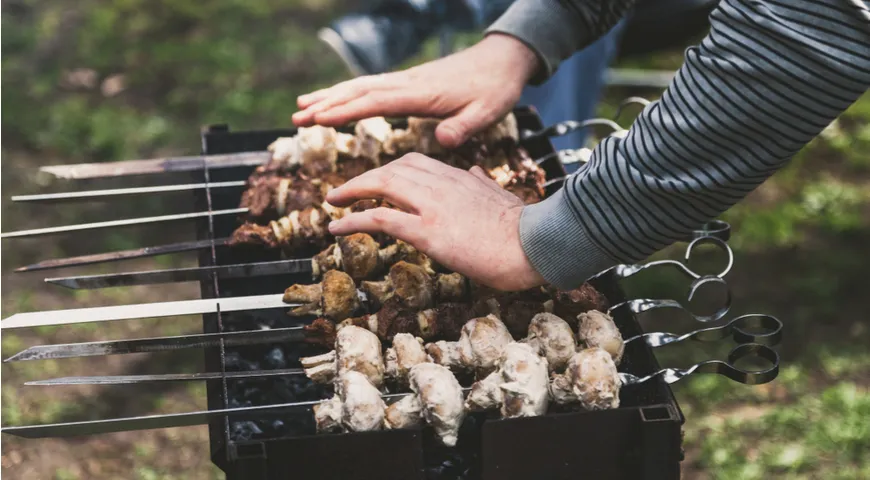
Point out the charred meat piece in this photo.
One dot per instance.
(356, 349)
(274, 196)
(513, 309)
(251, 234)
(320, 332)
(338, 298)
(570, 303)
(590, 378)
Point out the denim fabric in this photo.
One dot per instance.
(573, 92)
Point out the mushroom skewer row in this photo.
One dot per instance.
(407, 286)
(361, 257)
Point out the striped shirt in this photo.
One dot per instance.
(768, 78)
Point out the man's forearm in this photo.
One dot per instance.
(555, 29)
(767, 79)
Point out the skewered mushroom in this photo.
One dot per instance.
(597, 329)
(356, 349)
(406, 352)
(437, 399)
(335, 297)
(479, 348)
(519, 387)
(357, 406)
(590, 378)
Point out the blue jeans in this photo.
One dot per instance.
(573, 92)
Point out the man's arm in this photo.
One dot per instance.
(555, 29)
(766, 80)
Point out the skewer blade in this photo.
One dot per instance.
(159, 344)
(149, 422)
(144, 310)
(157, 165)
(167, 377)
(151, 277)
(120, 223)
(122, 192)
(121, 255)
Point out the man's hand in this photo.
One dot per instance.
(462, 219)
(471, 89)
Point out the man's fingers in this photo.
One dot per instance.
(323, 100)
(457, 129)
(397, 185)
(305, 101)
(401, 225)
(383, 103)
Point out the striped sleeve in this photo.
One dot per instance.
(555, 29)
(768, 78)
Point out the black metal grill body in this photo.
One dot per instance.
(639, 440)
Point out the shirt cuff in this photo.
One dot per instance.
(557, 245)
(543, 27)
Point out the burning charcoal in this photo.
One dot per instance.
(275, 358)
(234, 361)
(244, 430)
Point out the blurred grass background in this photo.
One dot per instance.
(102, 80)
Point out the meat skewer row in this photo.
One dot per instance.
(271, 195)
(325, 157)
(445, 320)
(300, 229)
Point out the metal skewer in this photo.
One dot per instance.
(770, 334)
(122, 192)
(193, 274)
(144, 310)
(122, 255)
(157, 165)
(726, 368)
(159, 344)
(119, 223)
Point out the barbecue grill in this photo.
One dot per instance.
(640, 439)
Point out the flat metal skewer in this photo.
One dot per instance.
(122, 255)
(159, 344)
(122, 192)
(157, 165)
(145, 310)
(151, 277)
(119, 223)
(726, 368)
(166, 377)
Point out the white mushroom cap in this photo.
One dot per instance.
(597, 329)
(359, 350)
(442, 399)
(551, 337)
(590, 378)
